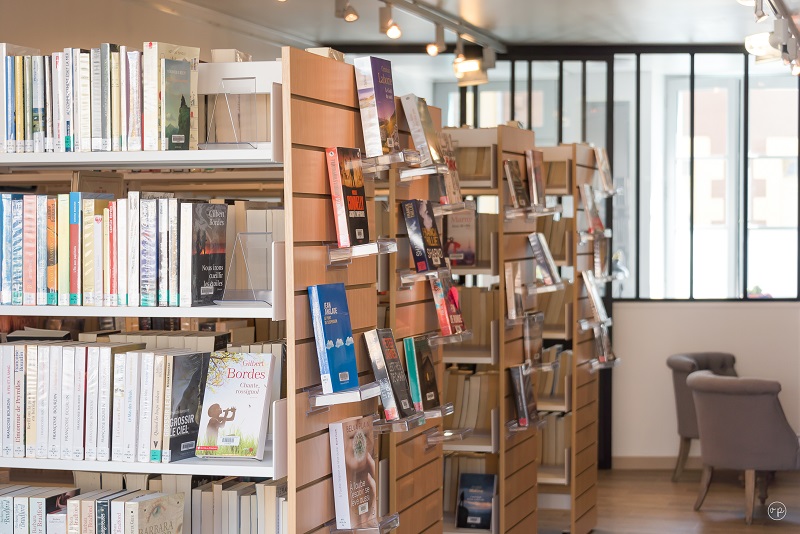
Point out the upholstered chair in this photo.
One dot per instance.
(742, 427)
(719, 363)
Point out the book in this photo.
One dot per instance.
(545, 265)
(236, 405)
(19, 102)
(173, 249)
(461, 236)
(450, 182)
(156, 438)
(16, 252)
(421, 373)
(29, 250)
(48, 103)
(92, 249)
(48, 502)
(591, 210)
(516, 188)
(133, 107)
(397, 375)
(185, 377)
(39, 126)
(59, 102)
(524, 400)
(114, 101)
(51, 252)
(31, 389)
(63, 248)
(41, 250)
(334, 337)
(57, 522)
(155, 513)
(348, 196)
(175, 89)
(423, 131)
(28, 100)
(83, 99)
(5, 262)
(423, 235)
(604, 168)
(148, 252)
(534, 159)
(7, 118)
(448, 308)
(373, 342)
(377, 105)
(146, 408)
(475, 493)
(202, 257)
(162, 256)
(353, 464)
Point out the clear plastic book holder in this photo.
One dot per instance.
(249, 276)
(234, 115)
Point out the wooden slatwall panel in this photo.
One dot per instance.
(321, 104)
(415, 470)
(517, 456)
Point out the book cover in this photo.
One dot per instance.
(162, 513)
(148, 252)
(524, 400)
(183, 401)
(16, 249)
(413, 372)
(451, 192)
(420, 358)
(475, 493)
(57, 522)
(423, 131)
(461, 237)
(202, 258)
(397, 375)
(546, 267)
(591, 210)
(51, 252)
(334, 337)
(516, 187)
(236, 405)
(29, 250)
(452, 305)
(604, 168)
(437, 290)
(423, 235)
(373, 342)
(354, 476)
(377, 105)
(595, 300)
(534, 159)
(175, 111)
(348, 196)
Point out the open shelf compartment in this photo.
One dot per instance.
(479, 441)
(555, 475)
(470, 354)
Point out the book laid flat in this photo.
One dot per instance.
(348, 196)
(334, 337)
(376, 101)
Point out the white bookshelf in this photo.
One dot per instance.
(230, 312)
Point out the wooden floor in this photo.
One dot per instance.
(647, 502)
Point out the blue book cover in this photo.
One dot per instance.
(334, 337)
(5, 262)
(11, 109)
(475, 492)
(16, 250)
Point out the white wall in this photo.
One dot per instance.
(764, 336)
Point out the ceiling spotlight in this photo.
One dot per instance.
(387, 24)
(489, 58)
(760, 14)
(459, 50)
(438, 46)
(760, 45)
(345, 11)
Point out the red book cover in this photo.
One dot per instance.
(112, 253)
(29, 250)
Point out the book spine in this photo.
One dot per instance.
(51, 244)
(87, 258)
(122, 97)
(9, 138)
(185, 256)
(163, 251)
(7, 375)
(68, 104)
(121, 250)
(85, 98)
(116, 143)
(339, 469)
(105, 96)
(157, 425)
(75, 55)
(118, 410)
(151, 80)
(92, 378)
(166, 453)
(73, 516)
(31, 391)
(337, 196)
(102, 513)
(63, 249)
(19, 103)
(193, 116)
(133, 248)
(67, 421)
(97, 113)
(75, 250)
(145, 407)
(78, 433)
(48, 103)
(413, 372)
(41, 250)
(319, 336)
(135, 101)
(42, 401)
(100, 257)
(174, 217)
(105, 403)
(28, 69)
(415, 237)
(58, 101)
(18, 429)
(380, 371)
(148, 252)
(37, 516)
(54, 403)
(39, 128)
(21, 515)
(111, 271)
(16, 250)
(29, 209)
(131, 414)
(5, 263)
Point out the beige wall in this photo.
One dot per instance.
(764, 336)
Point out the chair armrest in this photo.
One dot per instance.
(709, 382)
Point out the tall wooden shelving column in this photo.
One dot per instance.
(415, 468)
(320, 109)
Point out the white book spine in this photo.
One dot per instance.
(133, 248)
(92, 376)
(59, 113)
(118, 410)
(7, 514)
(79, 421)
(96, 92)
(157, 424)
(123, 97)
(5, 103)
(56, 524)
(174, 217)
(41, 250)
(31, 391)
(151, 80)
(38, 104)
(185, 282)
(148, 252)
(18, 430)
(67, 422)
(163, 252)
(340, 491)
(7, 370)
(114, 101)
(54, 412)
(42, 401)
(105, 96)
(38, 524)
(135, 101)
(110, 257)
(48, 103)
(105, 403)
(145, 407)
(131, 415)
(99, 255)
(21, 514)
(166, 454)
(117, 517)
(122, 251)
(76, 99)
(85, 98)
(68, 101)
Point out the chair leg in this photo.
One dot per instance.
(705, 482)
(749, 494)
(683, 454)
(763, 484)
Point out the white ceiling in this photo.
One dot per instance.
(514, 21)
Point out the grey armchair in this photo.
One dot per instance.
(743, 427)
(682, 365)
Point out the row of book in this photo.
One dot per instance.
(121, 401)
(554, 437)
(109, 98)
(149, 249)
(470, 484)
(472, 393)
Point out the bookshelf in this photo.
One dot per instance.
(221, 311)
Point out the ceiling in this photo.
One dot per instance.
(513, 21)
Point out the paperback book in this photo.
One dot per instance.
(388, 402)
(535, 162)
(421, 373)
(175, 112)
(186, 376)
(397, 376)
(516, 187)
(354, 473)
(376, 101)
(450, 182)
(524, 400)
(334, 337)
(461, 237)
(448, 309)
(423, 132)
(348, 196)
(475, 493)
(202, 256)
(591, 210)
(423, 235)
(546, 267)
